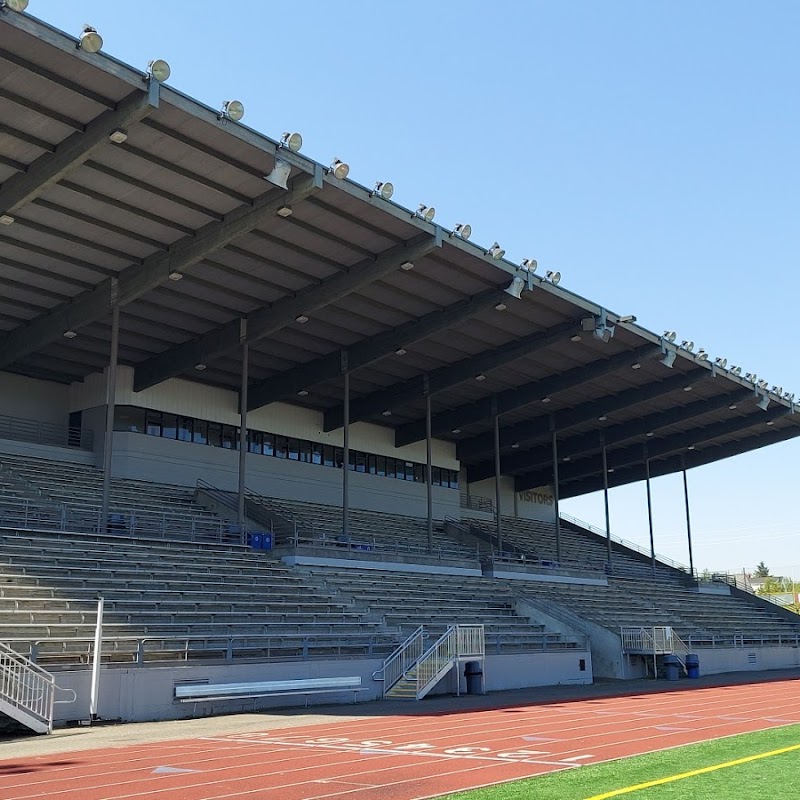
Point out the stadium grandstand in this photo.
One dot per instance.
(269, 438)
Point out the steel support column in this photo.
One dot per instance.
(497, 501)
(428, 462)
(241, 516)
(111, 396)
(605, 500)
(346, 450)
(688, 516)
(554, 444)
(650, 511)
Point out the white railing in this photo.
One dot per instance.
(459, 641)
(31, 430)
(637, 640)
(27, 688)
(396, 665)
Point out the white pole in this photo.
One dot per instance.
(98, 643)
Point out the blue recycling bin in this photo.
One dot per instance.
(266, 541)
(693, 665)
(254, 540)
(671, 666)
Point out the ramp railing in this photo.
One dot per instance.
(402, 659)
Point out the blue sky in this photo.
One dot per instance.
(649, 151)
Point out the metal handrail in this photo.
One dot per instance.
(458, 641)
(27, 686)
(401, 659)
(30, 430)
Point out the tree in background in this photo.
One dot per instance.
(762, 570)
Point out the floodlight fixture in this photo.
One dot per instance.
(515, 287)
(90, 41)
(553, 276)
(670, 336)
(778, 390)
(789, 396)
(529, 264)
(501, 306)
(515, 446)
(456, 431)
(291, 141)
(599, 326)
(339, 169)
(722, 363)
(232, 110)
(425, 212)
(627, 318)
(384, 190)
(733, 407)
(13, 5)
(496, 252)
(159, 70)
(668, 358)
(637, 365)
(118, 136)
(687, 344)
(280, 174)
(702, 355)
(575, 338)
(6, 219)
(737, 371)
(763, 402)
(462, 230)
(690, 447)
(688, 388)
(386, 413)
(602, 418)
(546, 400)
(69, 334)
(762, 384)
(650, 434)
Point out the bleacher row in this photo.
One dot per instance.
(202, 599)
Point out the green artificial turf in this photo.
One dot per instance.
(776, 776)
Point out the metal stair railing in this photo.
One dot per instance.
(458, 641)
(401, 660)
(27, 690)
(637, 640)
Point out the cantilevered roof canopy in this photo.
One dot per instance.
(117, 189)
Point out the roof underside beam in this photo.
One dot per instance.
(635, 453)
(137, 280)
(519, 397)
(542, 455)
(675, 463)
(570, 417)
(50, 168)
(300, 378)
(268, 320)
(447, 377)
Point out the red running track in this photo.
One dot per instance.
(405, 757)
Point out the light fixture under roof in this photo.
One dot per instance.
(303, 393)
(546, 400)
(515, 446)
(14, 5)
(636, 365)
(496, 252)
(292, 141)
(284, 211)
(690, 447)
(501, 306)
(515, 287)
(702, 355)
(159, 70)
(602, 418)
(384, 189)
(6, 219)
(175, 276)
(425, 212)
(627, 318)
(70, 334)
(529, 264)
(118, 136)
(339, 169)
(462, 230)
(554, 277)
(732, 407)
(456, 431)
(386, 413)
(650, 433)
(200, 367)
(401, 351)
(687, 388)
(301, 319)
(232, 110)
(406, 266)
(575, 337)
(480, 377)
(90, 40)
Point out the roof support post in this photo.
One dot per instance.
(50, 168)
(428, 461)
(605, 502)
(688, 515)
(554, 444)
(497, 497)
(649, 511)
(241, 515)
(346, 450)
(111, 396)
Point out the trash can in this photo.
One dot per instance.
(671, 666)
(474, 675)
(254, 540)
(692, 665)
